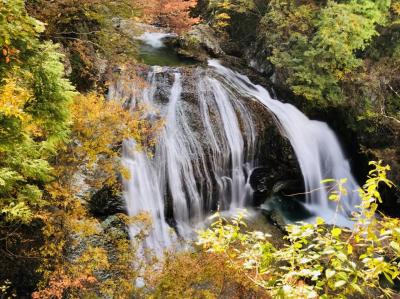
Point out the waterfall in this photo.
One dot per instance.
(233, 144)
(316, 146)
(177, 149)
(142, 185)
(205, 152)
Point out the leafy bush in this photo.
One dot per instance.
(34, 115)
(319, 260)
(317, 55)
(200, 275)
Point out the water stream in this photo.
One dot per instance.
(206, 151)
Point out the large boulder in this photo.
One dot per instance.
(200, 43)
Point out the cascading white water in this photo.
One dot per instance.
(234, 145)
(315, 144)
(176, 151)
(187, 169)
(206, 148)
(154, 39)
(142, 185)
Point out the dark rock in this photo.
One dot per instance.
(275, 218)
(287, 209)
(106, 202)
(165, 81)
(256, 58)
(277, 162)
(200, 43)
(267, 181)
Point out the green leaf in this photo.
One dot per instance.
(388, 278)
(336, 232)
(320, 221)
(395, 246)
(328, 181)
(329, 273)
(339, 283)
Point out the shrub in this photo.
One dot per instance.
(319, 261)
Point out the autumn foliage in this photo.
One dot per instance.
(58, 286)
(174, 14)
(185, 273)
(98, 128)
(34, 115)
(57, 147)
(90, 35)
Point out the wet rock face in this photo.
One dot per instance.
(278, 163)
(202, 43)
(273, 158)
(221, 132)
(255, 57)
(165, 81)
